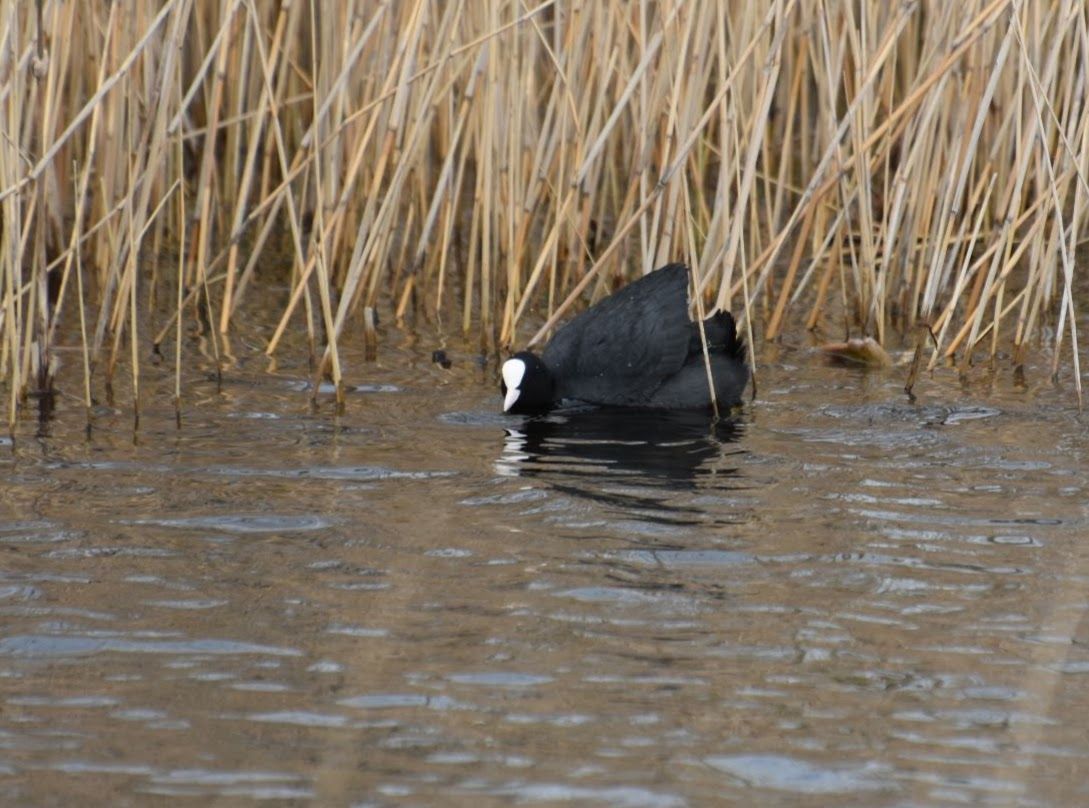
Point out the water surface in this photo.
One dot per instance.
(838, 597)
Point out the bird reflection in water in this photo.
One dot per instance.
(582, 451)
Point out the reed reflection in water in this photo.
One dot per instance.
(838, 598)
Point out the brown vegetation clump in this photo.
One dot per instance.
(867, 165)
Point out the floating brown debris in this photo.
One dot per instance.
(858, 351)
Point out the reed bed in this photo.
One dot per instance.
(870, 168)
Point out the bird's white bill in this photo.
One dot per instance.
(514, 370)
(510, 398)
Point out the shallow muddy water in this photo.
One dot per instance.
(840, 598)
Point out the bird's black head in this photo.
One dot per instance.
(527, 384)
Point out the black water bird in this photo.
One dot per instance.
(636, 348)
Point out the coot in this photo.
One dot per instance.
(636, 348)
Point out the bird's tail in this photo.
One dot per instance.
(721, 331)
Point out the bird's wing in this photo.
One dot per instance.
(619, 350)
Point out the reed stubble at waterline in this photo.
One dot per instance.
(870, 168)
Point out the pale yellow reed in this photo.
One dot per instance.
(878, 168)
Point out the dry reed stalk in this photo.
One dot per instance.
(912, 163)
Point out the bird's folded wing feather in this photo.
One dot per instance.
(629, 341)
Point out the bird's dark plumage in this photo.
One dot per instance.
(636, 348)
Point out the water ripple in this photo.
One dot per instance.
(46, 646)
(264, 523)
(782, 773)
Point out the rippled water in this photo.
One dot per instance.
(840, 598)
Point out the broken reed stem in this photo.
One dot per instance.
(870, 165)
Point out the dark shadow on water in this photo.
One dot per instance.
(604, 454)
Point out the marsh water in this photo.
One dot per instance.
(838, 597)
